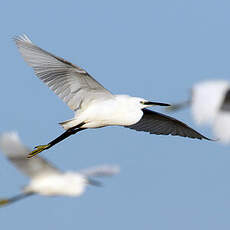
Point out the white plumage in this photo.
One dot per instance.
(95, 106)
(207, 98)
(66, 184)
(45, 178)
(210, 104)
(221, 126)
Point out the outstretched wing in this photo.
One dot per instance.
(160, 124)
(100, 171)
(16, 152)
(68, 81)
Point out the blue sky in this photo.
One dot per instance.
(152, 49)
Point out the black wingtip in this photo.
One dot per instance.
(94, 182)
(208, 139)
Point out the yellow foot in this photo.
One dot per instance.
(37, 150)
(4, 202)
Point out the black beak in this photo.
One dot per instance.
(154, 103)
(94, 182)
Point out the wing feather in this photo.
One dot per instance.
(70, 82)
(100, 171)
(16, 152)
(160, 124)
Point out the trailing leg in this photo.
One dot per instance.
(4, 202)
(60, 138)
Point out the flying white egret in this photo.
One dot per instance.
(210, 104)
(46, 179)
(95, 106)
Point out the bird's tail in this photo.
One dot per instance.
(68, 124)
(4, 202)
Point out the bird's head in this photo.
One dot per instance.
(137, 101)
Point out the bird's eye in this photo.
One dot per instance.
(142, 102)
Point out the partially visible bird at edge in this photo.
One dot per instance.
(209, 101)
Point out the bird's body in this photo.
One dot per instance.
(121, 110)
(45, 179)
(94, 106)
(63, 184)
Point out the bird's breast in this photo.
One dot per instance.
(110, 113)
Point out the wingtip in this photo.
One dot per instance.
(9, 135)
(21, 38)
(212, 139)
(8, 140)
(202, 137)
(116, 169)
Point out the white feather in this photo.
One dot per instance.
(103, 170)
(66, 184)
(11, 145)
(207, 98)
(221, 127)
(45, 179)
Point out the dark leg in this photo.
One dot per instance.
(4, 202)
(60, 138)
(63, 136)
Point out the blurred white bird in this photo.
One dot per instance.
(210, 104)
(46, 179)
(95, 106)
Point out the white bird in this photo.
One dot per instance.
(46, 179)
(210, 105)
(95, 106)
